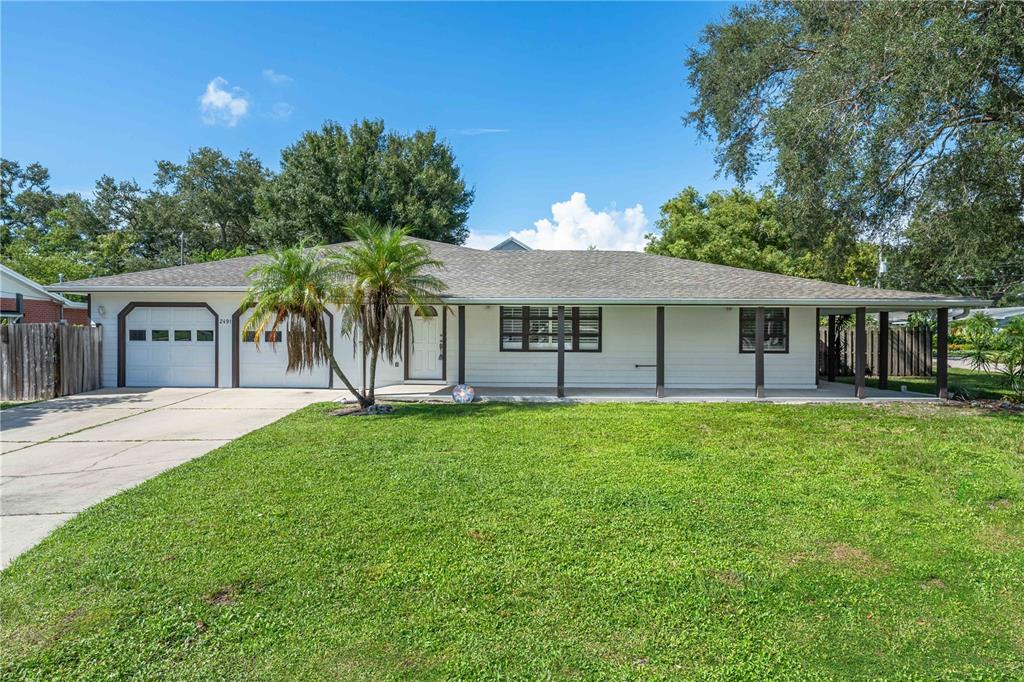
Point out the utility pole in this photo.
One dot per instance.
(181, 240)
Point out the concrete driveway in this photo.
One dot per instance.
(61, 456)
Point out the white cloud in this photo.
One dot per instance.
(276, 78)
(281, 110)
(478, 240)
(481, 131)
(221, 105)
(575, 225)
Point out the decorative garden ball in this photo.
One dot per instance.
(463, 393)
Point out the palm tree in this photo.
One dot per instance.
(383, 272)
(294, 288)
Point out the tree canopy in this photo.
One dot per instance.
(209, 199)
(891, 121)
(742, 230)
(225, 207)
(335, 175)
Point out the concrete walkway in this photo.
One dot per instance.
(826, 392)
(61, 456)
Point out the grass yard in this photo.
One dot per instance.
(6, 405)
(594, 541)
(966, 384)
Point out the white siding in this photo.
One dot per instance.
(11, 287)
(701, 351)
(702, 348)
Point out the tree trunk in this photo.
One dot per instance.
(373, 374)
(363, 402)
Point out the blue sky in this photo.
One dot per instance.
(564, 115)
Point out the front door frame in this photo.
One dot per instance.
(443, 343)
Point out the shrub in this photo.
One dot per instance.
(1012, 358)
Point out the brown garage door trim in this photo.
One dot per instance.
(122, 318)
(236, 337)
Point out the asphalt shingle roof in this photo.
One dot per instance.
(570, 276)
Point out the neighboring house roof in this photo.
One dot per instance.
(1001, 313)
(511, 244)
(13, 283)
(1002, 316)
(591, 277)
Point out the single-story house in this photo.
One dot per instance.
(24, 301)
(511, 318)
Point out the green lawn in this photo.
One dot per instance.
(6, 405)
(593, 541)
(965, 384)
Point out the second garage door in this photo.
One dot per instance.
(266, 367)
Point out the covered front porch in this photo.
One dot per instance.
(667, 352)
(826, 392)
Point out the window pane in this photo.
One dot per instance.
(541, 328)
(272, 337)
(512, 326)
(248, 337)
(136, 334)
(541, 311)
(542, 342)
(776, 330)
(182, 334)
(204, 335)
(160, 335)
(545, 326)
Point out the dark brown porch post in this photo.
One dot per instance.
(942, 352)
(883, 349)
(860, 353)
(462, 344)
(817, 350)
(561, 352)
(759, 353)
(830, 349)
(659, 352)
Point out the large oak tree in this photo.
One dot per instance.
(892, 121)
(335, 175)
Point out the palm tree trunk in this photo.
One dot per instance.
(373, 374)
(363, 402)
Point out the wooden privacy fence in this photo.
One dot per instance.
(40, 361)
(910, 352)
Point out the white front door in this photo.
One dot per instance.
(425, 346)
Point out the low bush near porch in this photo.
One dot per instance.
(594, 541)
(964, 384)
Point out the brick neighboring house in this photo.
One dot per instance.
(22, 300)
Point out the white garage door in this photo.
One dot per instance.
(170, 347)
(266, 367)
